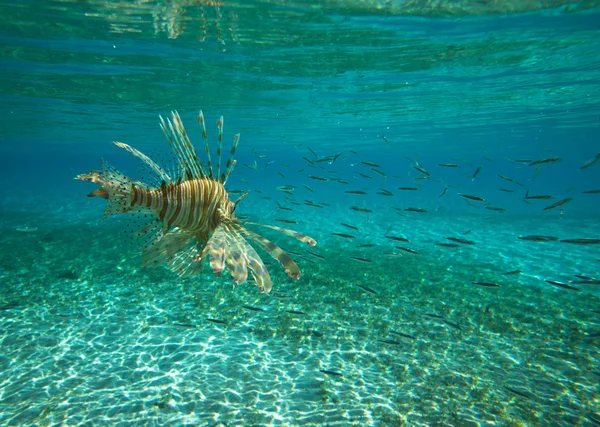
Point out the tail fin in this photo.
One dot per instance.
(115, 187)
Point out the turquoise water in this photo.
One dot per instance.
(491, 330)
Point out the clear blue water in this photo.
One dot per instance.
(89, 337)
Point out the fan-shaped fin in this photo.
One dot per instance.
(261, 276)
(177, 248)
(182, 147)
(231, 162)
(302, 237)
(237, 263)
(202, 123)
(216, 248)
(291, 268)
(151, 164)
(220, 124)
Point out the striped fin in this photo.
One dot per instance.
(235, 259)
(220, 124)
(231, 162)
(302, 237)
(261, 276)
(291, 268)
(202, 123)
(216, 248)
(178, 249)
(151, 164)
(192, 161)
(150, 234)
(185, 263)
(183, 150)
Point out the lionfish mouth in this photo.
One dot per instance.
(182, 231)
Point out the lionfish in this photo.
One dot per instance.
(191, 215)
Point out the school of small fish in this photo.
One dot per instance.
(325, 171)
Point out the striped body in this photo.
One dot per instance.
(195, 206)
